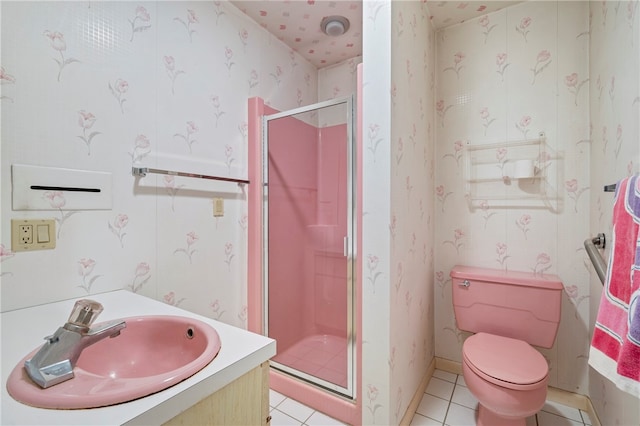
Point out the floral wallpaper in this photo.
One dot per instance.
(376, 262)
(412, 202)
(336, 81)
(104, 85)
(101, 86)
(501, 79)
(569, 69)
(398, 139)
(615, 153)
(450, 12)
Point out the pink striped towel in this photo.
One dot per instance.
(615, 347)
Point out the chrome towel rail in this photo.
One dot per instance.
(142, 172)
(592, 245)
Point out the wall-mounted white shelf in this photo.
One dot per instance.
(522, 173)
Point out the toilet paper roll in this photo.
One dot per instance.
(524, 169)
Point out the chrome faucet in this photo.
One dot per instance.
(55, 360)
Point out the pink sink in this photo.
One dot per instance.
(151, 354)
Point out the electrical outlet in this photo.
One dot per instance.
(26, 234)
(33, 234)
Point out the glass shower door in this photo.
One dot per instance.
(308, 242)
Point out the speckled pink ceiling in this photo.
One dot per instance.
(297, 23)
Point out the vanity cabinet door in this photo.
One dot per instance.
(242, 402)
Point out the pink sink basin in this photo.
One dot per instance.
(151, 354)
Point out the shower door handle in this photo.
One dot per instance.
(345, 247)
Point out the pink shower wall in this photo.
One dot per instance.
(330, 316)
(331, 189)
(330, 271)
(307, 223)
(292, 209)
(307, 205)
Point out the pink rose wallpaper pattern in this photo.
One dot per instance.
(132, 83)
(530, 72)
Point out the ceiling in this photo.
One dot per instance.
(297, 23)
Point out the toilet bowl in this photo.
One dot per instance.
(508, 312)
(507, 376)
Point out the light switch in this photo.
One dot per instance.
(43, 233)
(218, 207)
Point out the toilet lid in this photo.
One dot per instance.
(504, 361)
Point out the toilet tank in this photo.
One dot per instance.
(519, 305)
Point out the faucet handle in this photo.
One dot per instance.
(84, 312)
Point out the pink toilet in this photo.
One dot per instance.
(509, 312)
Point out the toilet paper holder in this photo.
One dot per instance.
(520, 173)
(520, 169)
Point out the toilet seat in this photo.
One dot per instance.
(506, 362)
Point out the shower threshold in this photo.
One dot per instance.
(323, 356)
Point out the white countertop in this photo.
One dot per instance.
(23, 331)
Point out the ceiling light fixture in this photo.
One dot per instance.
(334, 25)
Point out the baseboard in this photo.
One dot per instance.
(448, 365)
(591, 411)
(417, 397)
(575, 400)
(570, 399)
(567, 398)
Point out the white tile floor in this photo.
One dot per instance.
(446, 401)
(286, 411)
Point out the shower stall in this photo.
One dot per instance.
(308, 243)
